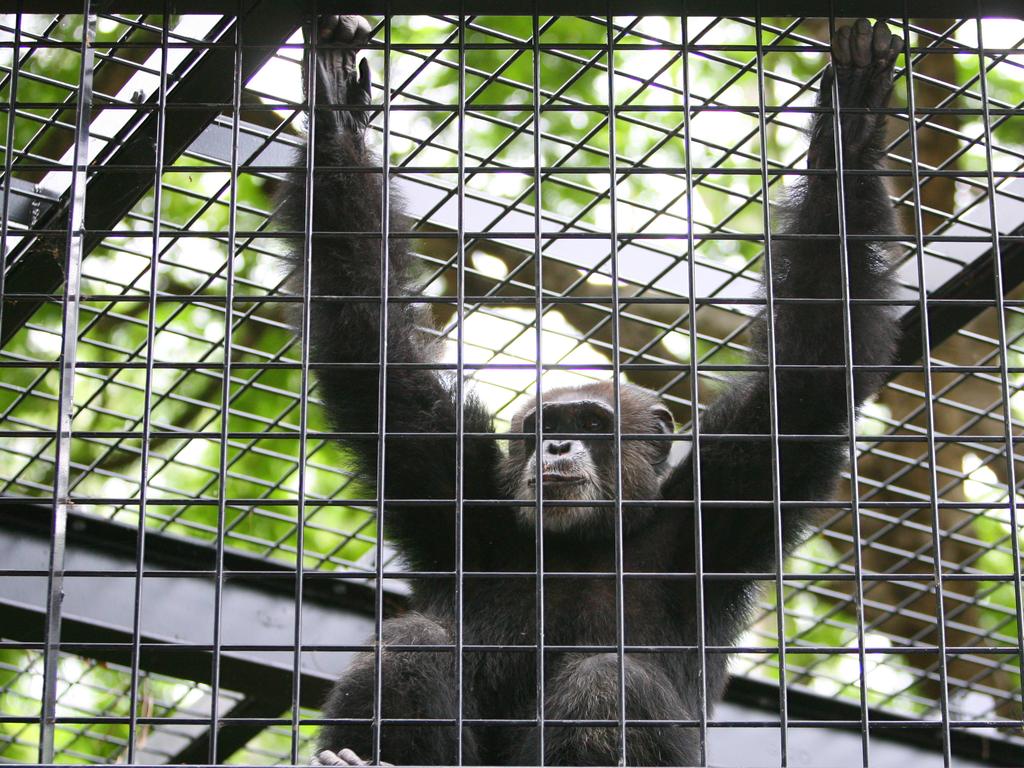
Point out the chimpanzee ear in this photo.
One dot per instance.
(666, 425)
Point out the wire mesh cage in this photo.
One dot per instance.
(189, 559)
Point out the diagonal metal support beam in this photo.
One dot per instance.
(232, 739)
(972, 285)
(118, 181)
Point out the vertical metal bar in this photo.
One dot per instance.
(307, 278)
(773, 399)
(225, 395)
(851, 403)
(698, 526)
(385, 229)
(66, 399)
(460, 379)
(1004, 352)
(620, 608)
(926, 362)
(538, 424)
(154, 270)
(8, 184)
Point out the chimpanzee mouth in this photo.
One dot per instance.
(554, 478)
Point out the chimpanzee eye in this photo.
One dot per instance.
(591, 422)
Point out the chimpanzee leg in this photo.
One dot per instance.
(415, 684)
(587, 688)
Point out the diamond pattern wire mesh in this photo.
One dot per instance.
(168, 379)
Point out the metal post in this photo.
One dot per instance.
(75, 234)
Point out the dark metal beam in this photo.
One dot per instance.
(976, 282)
(116, 184)
(232, 738)
(177, 618)
(966, 744)
(259, 610)
(29, 202)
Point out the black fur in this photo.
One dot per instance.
(657, 611)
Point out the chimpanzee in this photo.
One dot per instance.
(479, 561)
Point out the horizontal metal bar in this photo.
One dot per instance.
(238, 503)
(843, 8)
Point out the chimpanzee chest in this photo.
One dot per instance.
(579, 610)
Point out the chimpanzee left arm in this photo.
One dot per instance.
(812, 400)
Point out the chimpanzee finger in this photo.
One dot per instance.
(364, 80)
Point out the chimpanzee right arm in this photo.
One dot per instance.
(346, 203)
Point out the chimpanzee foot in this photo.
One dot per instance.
(862, 65)
(338, 82)
(345, 757)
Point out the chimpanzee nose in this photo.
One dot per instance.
(558, 447)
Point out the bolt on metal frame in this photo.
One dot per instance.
(216, 405)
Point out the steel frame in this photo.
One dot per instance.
(957, 301)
